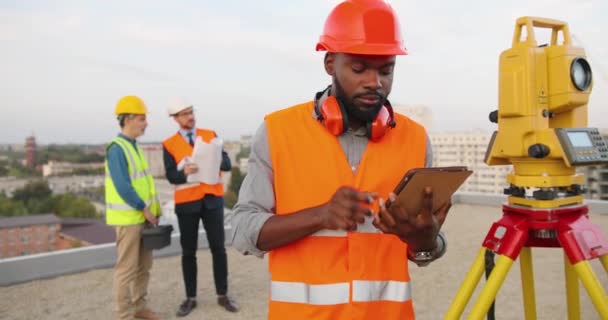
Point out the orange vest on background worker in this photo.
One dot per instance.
(179, 149)
(335, 274)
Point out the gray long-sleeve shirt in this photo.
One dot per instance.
(256, 198)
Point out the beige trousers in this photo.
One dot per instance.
(132, 271)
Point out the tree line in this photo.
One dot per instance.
(68, 153)
(11, 161)
(36, 197)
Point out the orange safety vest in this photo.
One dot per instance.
(334, 274)
(179, 149)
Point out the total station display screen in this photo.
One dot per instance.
(580, 139)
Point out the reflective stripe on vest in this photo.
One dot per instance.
(365, 266)
(118, 212)
(319, 294)
(367, 291)
(126, 207)
(179, 149)
(338, 293)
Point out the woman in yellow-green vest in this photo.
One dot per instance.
(131, 202)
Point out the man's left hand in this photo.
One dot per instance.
(418, 229)
(150, 217)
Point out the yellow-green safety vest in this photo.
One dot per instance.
(118, 212)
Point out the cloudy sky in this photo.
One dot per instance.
(64, 64)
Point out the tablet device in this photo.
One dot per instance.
(444, 181)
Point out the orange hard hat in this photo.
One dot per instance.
(362, 27)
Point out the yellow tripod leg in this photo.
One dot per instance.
(467, 287)
(592, 284)
(527, 283)
(604, 260)
(488, 294)
(574, 304)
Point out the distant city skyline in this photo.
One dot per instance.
(66, 63)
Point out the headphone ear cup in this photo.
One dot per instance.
(344, 115)
(378, 128)
(332, 116)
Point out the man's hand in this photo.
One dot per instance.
(346, 209)
(190, 168)
(418, 229)
(152, 219)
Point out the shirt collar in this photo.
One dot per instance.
(185, 132)
(126, 138)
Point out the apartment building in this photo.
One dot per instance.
(469, 149)
(419, 113)
(596, 179)
(54, 168)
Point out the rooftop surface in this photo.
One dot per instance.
(96, 232)
(26, 221)
(87, 295)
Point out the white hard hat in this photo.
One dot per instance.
(176, 105)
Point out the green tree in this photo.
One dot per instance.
(69, 205)
(244, 153)
(9, 208)
(236, 179)
(37, 198)
(15, 169)
(40, 206)
(232, 194)
(230, 199)
(95, 194)
(35, 189)
(68, 153)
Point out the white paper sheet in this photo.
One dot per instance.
(208, 158)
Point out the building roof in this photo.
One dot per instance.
(30, 220)
(79, 221)
(434, 287)
(93, 231)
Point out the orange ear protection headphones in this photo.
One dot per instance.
(332, 115)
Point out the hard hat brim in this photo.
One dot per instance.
(364, 49)
(173, 113)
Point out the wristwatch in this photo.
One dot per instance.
(423, 258)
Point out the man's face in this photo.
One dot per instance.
(361, 82)
(185, 118)
(136, 124)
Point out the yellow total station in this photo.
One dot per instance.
(542, 132)
(542, 117)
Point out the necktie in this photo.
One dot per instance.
(190, 141)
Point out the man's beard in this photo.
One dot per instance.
(363, 114)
